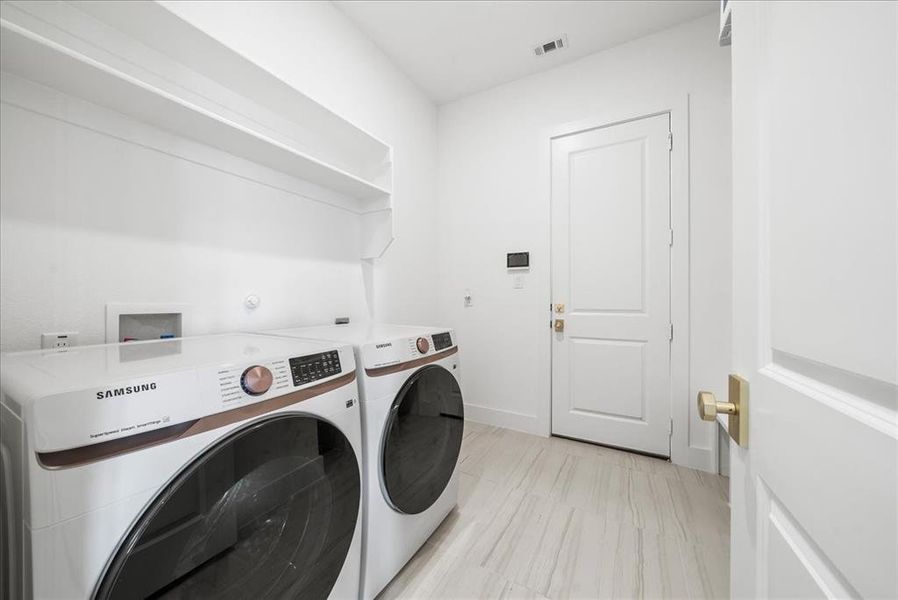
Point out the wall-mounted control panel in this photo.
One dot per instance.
(517, 260)
(313, 367)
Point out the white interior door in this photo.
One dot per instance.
(813, 495)
(611, 270)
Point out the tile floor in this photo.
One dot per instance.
(554, 518)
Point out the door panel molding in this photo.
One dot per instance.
(877, 397)
(606, 410)
(855, 407)
(783, 539)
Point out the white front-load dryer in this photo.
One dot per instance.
(412, 427)
(207, 467)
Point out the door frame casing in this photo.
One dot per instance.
(684, 449)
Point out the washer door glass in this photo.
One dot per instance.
(422, 439)
(267, 512)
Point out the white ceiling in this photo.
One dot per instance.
(455, 48)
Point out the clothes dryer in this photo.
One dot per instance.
(412, 427)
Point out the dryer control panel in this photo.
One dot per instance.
(375, 355)
(441, 341)
(313, 367)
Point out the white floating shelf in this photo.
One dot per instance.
(45, 62)
(225, 102)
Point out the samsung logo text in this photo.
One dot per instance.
(128, 389)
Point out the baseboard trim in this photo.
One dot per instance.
(701, 459)
(503, 418)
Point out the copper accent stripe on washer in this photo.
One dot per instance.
(389, 370)
(83, 455)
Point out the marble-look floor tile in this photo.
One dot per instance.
(500, 458)
(446, 572)
(576, 448)
(514, 591)
(652, 505)
(585, 565)
(538, 474)
(475, 495)
(475, 445)
(702, 517)
(594, 486)
(647, 565)
(648, 464)
(472, 427)
(405, 582)
(554, 518)
(707, 570)
(432, 568)
(523, 539)
(712, 481)
(604, 559)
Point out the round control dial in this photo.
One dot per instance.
(256, 380)
(423, 345)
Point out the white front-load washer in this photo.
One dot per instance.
(205, 467)
(412, 427)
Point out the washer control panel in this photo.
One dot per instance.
(306, 369)
(240, 382)
(256, 380)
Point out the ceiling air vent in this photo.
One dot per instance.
(550, 46)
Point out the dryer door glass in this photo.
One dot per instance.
(267, 512)
(422, 439)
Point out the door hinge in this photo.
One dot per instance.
(670, 140)
(671, 332)
(670, 237)
(670, 427)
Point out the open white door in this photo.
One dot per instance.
(815, 493)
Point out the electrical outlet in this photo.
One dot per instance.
(63, 339)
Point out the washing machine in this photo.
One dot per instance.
(206, 467)
(412, 427)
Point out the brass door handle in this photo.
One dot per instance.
(559, 325)
(709, 407)
(736, 408)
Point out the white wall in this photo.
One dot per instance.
(493, 199)
(105, 220)
(87, 219)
